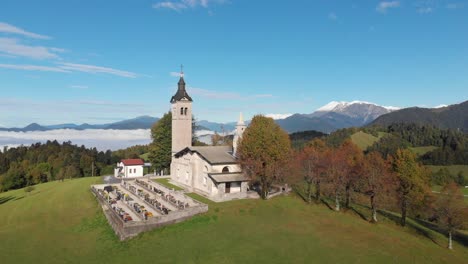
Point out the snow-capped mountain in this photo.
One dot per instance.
(360, 110)
(335, 115)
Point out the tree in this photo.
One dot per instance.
(335, 172)
(264, 152)
(160, 149)
(375, 180)
(353, 156)
(412, 181)
(310, 164)
(450, 210)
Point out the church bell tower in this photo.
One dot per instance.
(181, 108)
(240, 127)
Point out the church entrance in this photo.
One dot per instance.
(228, 187)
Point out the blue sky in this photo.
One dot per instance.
(102, 61)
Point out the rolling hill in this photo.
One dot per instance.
(452, 116)
(61, 222)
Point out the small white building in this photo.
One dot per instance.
(129, 168)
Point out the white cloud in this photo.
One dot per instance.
(170, 5)
(7, 28)
(332, 16)
(11, 46)
(70, 67)
(455, 6)
(278, 116)
(224, 95)
(99, 138)
(81, 87)
(95, 69)
(174, 74)
(32, 68)
(440, 106)
(185, 4)
(425, 10)
(383, 6)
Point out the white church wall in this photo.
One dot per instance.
(235, 187)
(231, 167)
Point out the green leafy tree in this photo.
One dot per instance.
(160, 148)
(412, 181)
(264, 152)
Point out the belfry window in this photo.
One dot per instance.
(182, 111)
(225, 169)
(185, 111)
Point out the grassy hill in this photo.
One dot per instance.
(61, 222)
(453, 169)
(422, 150)
(145, 156)
(364, 140)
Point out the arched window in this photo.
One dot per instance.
(226, 169)
(181, 110)
(185, 111)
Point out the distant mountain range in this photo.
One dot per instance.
(326, 119)
(452, 116)
(142, 122)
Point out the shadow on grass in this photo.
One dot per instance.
(422, 230)
(360, 214)
(457, 236)
(325, 202)
(7, 199)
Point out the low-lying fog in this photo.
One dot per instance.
(102, 139)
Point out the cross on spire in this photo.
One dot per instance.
(182, 70)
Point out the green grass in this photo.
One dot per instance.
(144, 156)
(62, 222)
(453, 169)
(363, 140)
(165, 182)
(422, 150)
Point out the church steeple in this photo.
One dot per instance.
(181, 105)
(240, 127)
(181, 94)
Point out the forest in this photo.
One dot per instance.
(42, 162)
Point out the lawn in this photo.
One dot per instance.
(61, 222)
(422, 150)
(165, 182)
(453, 169)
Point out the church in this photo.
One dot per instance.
(211, 171)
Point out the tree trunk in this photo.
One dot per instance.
(309, 192)
(337, 202)
(374, 209)
(450, 240)
(347, 194)
(317, 191)
(264, 192)
(403, 212)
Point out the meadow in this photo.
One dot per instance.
(62, 222)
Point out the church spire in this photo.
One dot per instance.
(181, 93)
(241, 120)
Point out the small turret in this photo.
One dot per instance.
(240, 128)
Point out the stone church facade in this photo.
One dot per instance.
(212, 171)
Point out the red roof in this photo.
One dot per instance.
(133, 162)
